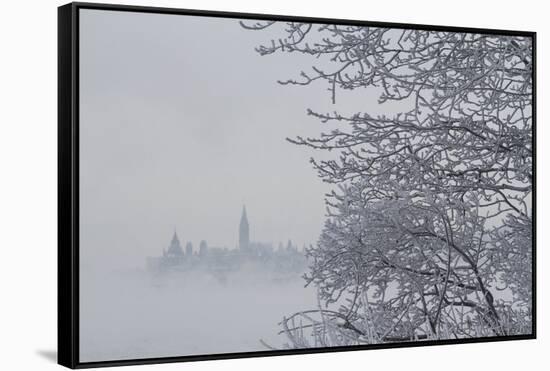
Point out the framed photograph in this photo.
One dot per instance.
(241, 185)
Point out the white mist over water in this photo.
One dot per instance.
(134, 314)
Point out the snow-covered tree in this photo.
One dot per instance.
(428, 233)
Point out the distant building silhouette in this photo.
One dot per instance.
(221, 260)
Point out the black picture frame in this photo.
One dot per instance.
(68, 183)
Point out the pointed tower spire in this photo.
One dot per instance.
(175, 246)
(244, 231)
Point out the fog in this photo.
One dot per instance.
(181, 124)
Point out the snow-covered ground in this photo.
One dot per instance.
(134, 315)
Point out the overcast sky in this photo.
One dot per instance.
(181, 123)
